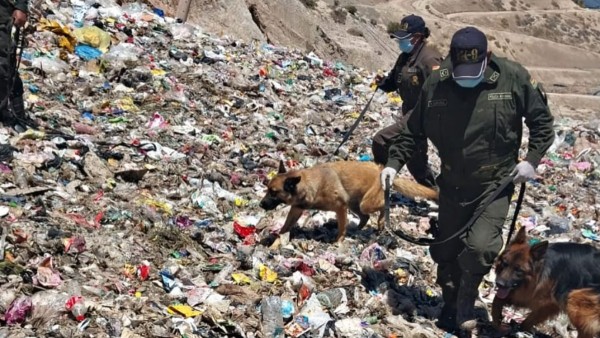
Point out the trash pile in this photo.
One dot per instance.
(133, 211)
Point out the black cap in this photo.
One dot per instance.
(408, 26)
(468, 51)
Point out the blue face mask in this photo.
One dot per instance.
(405, 45)
(469, 83)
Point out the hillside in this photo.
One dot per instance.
(558, 41)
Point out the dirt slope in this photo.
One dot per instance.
(556, 40)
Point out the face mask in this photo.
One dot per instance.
(469, 83)
(405, 45)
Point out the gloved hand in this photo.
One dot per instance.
(19, 18)
(387, 174)
(524, 171)
(379, 79)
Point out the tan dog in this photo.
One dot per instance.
(339, 187)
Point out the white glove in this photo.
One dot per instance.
(388, 175)
(525, 171)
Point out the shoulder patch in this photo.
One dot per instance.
(495, 76)
(444, 73)
(534, 83)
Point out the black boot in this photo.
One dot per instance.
(448, 279)
(5, 112)
(447, 318)
(467, 295)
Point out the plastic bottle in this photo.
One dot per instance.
(272, 319)
(76, 305)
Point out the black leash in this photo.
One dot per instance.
(351, 130)
(513, 223)
(429, 241)
(387, 204)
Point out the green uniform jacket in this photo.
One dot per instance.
(409, 74)
(477, 131)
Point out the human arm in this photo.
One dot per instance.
(389, 83)
(403, 145)
(538, 118)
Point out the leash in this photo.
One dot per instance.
(513, 223)
(387, 205)
(429, 241)
(351, 130)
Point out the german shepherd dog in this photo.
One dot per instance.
(339, 187)
(549, 279)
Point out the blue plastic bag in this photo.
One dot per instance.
(87, 53)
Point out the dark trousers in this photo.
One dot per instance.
(463, 261)
(418, 165)
(16, 95)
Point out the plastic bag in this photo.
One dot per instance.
(182, 31)
(123, 52)
(50, 66)
(18, 310)
(93, 36)
(87, 53)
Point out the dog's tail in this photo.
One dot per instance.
(412, 189)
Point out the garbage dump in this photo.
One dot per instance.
(133, 210)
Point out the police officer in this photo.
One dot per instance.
(407, 77)
(472, 110)
(11, 93)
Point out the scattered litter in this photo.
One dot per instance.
(134, 210)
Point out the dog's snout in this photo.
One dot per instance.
(502, 283)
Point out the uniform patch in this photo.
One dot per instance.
(495, 76)
(437, 103)
(444, 73)
(469, 55)
(499, 96)
(533, 83)
(414, 80)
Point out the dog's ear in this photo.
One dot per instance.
(291, 183)
(521, 237)
(538, 250)
(281, 167)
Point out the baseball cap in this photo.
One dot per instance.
(468, 51)
(408, 26)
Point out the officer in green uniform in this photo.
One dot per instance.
(11, 93)
(472, 110)
(407, 77)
